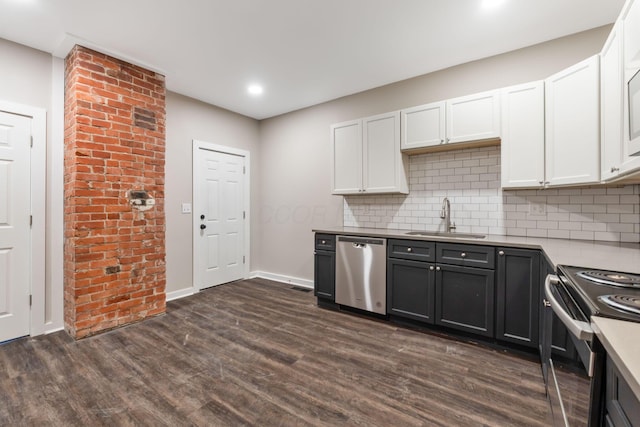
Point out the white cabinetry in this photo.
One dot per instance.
(572, 134)
(423, 126)
(366, 156)
(611, 75)
(473, 117)
(631, 21)
(464, 119)
(523, 135)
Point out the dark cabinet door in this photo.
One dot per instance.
(622, 407)
(410, 289)
(324, 277)
(518, 296)
(464, 299)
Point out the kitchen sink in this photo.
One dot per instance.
(446, 234)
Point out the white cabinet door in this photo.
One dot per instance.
(611, 74)
(383, 166)
(523, 135)
(572, 143)
(631, 17)
(423, 126)
(631, 21)
(473, 117)
(346, 154)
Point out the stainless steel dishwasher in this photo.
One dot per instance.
(361, 271)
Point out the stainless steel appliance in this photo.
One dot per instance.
(361, 273)
(576, 294)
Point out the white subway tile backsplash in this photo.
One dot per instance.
(470, 178)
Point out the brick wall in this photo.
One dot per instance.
(114, 252)
(470, 178)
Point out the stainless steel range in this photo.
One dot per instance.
(576, 294)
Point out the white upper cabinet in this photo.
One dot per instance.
(367, 158)
(572, 137)
(523, 135)
(346, 144)
(423, 126)
(473, 117)
(631, 22)
(611, 77)
(464, 119)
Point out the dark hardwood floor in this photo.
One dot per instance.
(261, 353)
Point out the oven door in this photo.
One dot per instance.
(559, 301)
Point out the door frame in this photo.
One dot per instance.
(37, 239)
(203, 145)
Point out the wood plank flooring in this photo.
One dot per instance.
(261, 353)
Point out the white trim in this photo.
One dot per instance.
(38, 209)
(197, 145)
(181, 293)
(51, 331)
(303, 283)
(54, 310)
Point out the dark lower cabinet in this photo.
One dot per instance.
(410, 289)
(518, 296)
(622, 407)
(324, 274)
(465, 299)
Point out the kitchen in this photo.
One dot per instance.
(304, 134)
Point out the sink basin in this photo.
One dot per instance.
(446, 234)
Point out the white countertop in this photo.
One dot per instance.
(622, 341)
(614, 256)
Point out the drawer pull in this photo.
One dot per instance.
(463, 255)
(437, 268)
(409, 250)
(501, 253)
(432, 268)
(324, 242)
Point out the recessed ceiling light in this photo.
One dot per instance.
(490, 4)
(255, 90)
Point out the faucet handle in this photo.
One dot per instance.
(452, 226)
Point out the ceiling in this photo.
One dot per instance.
(303, 52)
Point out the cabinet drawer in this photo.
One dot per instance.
(466, 255)
(325, 242)
(415, 250)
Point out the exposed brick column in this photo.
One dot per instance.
(114, 251)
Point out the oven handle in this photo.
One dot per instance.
(581, 330)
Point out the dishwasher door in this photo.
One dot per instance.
(361, 273)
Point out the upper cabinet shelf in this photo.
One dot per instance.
(454, 121)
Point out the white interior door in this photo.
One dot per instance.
(15, 211)
(219, 217)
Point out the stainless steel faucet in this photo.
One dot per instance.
(446, 214)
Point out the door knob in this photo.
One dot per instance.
(202, 226)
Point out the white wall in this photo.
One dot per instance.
(26, 77)
(189, 119)
(295, 177)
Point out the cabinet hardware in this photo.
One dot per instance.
(546, 303)
(614, 169)
(501, 253)
(448, 139)
(437, 268)
(463, 255)
(409, 249)
(324, 242)
(432, 268)
(442, 141)
(202, 226)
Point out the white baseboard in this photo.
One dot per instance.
(181, 293)
(303, 283)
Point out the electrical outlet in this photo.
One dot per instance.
(186, 208)
(536, 208)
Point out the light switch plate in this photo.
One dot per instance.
(186, 208)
